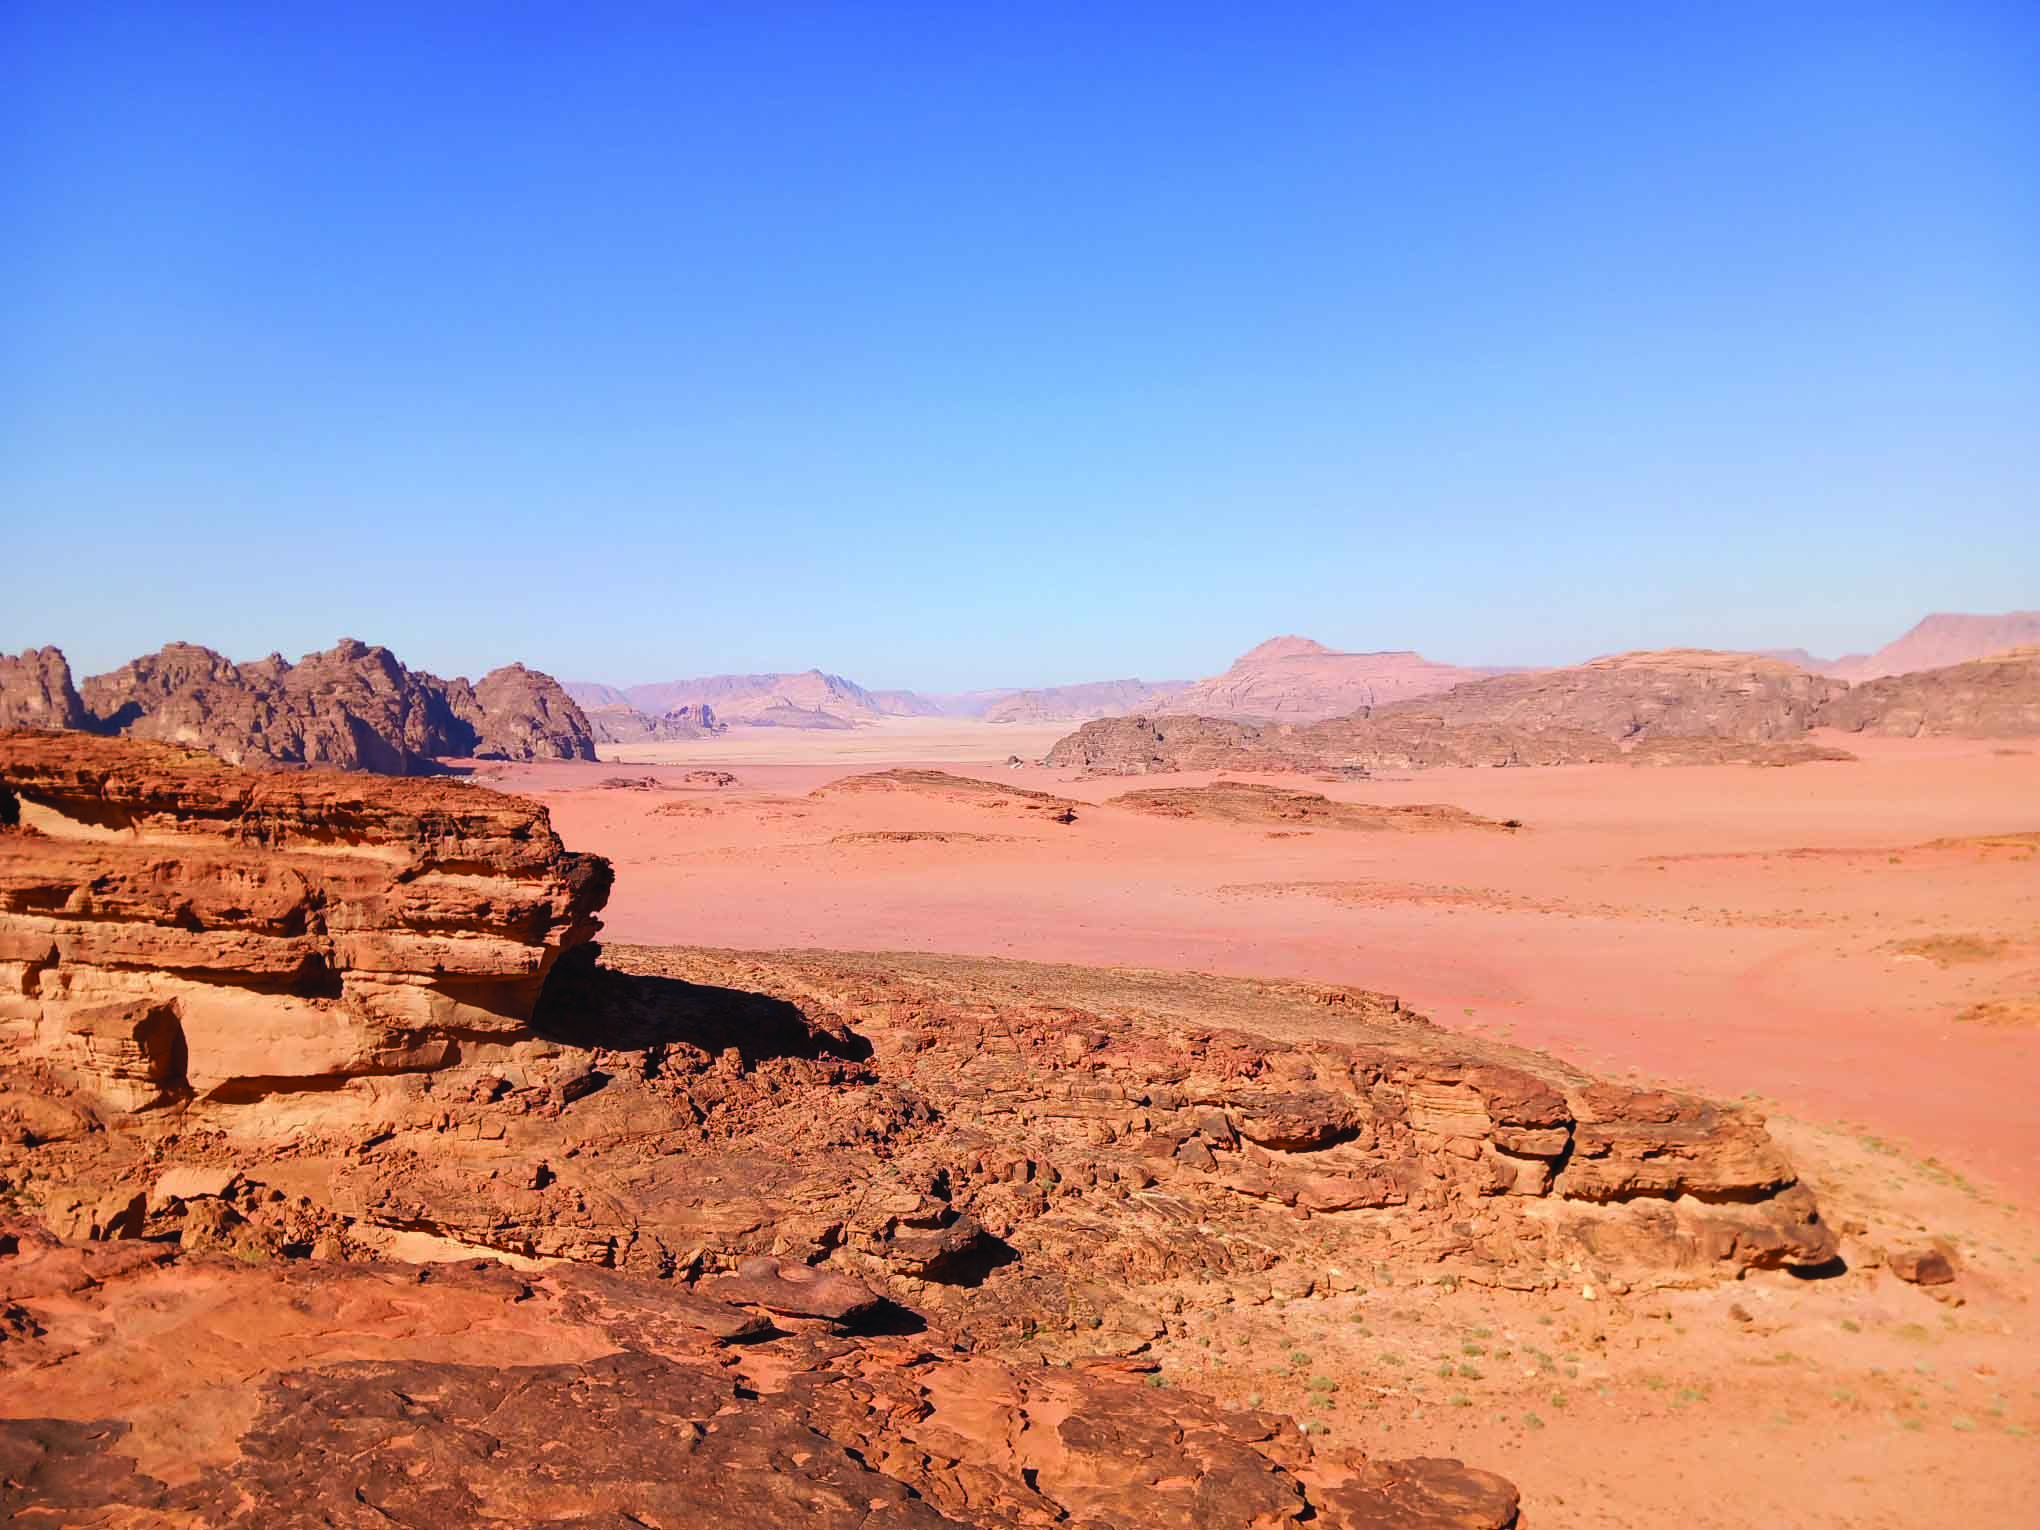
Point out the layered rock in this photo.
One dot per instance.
(36, 691)
(172, 927)
(1997, 697)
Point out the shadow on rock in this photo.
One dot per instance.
(586, 1004)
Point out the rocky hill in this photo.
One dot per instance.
(807, 699)
(881, 1240)
(1671, 707)
(1296, 679)
(1996, 697)
(1080, 703)
(353, 707)
(1680, 692)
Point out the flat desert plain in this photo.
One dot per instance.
(1853, 946)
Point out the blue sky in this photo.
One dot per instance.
(959, 345)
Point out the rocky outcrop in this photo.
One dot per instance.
(1248, 802)
(319, 1393)
(353, 707)
(1681, 706)
(173, 928)
(36, 692)
(1294, 679)
(622, 723)
(1997, 697)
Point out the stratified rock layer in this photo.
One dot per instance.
(174, 926)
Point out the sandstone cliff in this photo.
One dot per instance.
(172, 928)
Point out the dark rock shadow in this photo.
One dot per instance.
(586, 1004)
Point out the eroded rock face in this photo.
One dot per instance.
(353, 707)
(1997, 697)
(36, 691)
(328, 1394)
(174, 928)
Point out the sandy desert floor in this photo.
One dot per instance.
(1856, 947)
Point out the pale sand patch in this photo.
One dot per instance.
(896, 741)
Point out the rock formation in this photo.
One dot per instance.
(1678, 692)
(354, 707)
(1681, 706)
(1997, 697)
(1294, 679)
(622, 723)
(36, 692)
(1247, 802)
(174, 929)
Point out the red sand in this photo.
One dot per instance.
(1670, 921)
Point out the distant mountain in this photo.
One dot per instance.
(1081, 703)
(1297, 679)
(907, 704)
(1940, 640)
(354, 707)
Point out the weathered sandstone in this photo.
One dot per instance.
(177, 928)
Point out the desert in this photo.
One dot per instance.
(1358, 1120)
(1019, 768)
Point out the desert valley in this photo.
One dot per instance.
(1348, 1090)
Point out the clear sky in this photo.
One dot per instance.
(961, 344)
